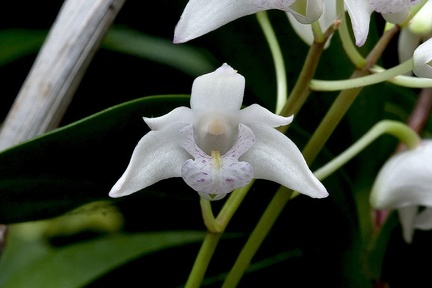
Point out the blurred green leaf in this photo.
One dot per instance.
(16, 43)
(191, 60)
(29, 262)
(76, 164)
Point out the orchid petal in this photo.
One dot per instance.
(422, 59)
(405, 180)
(392, 6)
(359, 12)
(203, 16)
(305, 31)
(275, 157)
(307, 11)
(423, 220)
(396, 18)
(156, 157)
(213, 176)
(258, 114)
(178, 115)
(221, 90)
(406, 218)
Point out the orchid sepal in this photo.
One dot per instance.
(404, 184)
(149, 165)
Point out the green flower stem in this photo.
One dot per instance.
(400, 130)
(203, 259)
(232, 204)
(319, 36)
(344, 100)
(281, 82)
(216, 227)
(350, 48)
(384, 75)
(406, 81)
(301, 89)
(283, 195)
(260, 232)
(209, 219)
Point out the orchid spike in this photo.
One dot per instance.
(404, 183)
(203, 16)
(217, 147)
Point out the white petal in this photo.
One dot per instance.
(203, 16)
(275, 157)
(157, 156)
(327, 18)
(213, 177)
(406, 218)
(178, 115)
(307, 11)
(221, 90)
(405, 180)
(423, 220)
(396, 18)
(188, 143)
(392, 6)
(359, 12)
(422, 59)
(245, 141)
(260, 115)
(304, 31)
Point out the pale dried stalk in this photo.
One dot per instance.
(58, 69)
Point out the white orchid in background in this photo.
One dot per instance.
(393, 11)
(215, 146)
(203, 16)
(405, 183)
(304, 31)
(422, 59)
(418, 31)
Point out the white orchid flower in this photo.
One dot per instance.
(418, 31)
(393, 11)
(405, 183)
(304, 31)
(422, 60)
(203, 16)
(215, 146)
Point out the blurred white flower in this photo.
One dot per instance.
(203, 16)
(418, 31)
(216, 147)
(422, 59)
(405, 183)
(393, 11)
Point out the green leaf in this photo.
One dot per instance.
(193, 61)
(76, 164)
(16, 43)
(31, 262)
